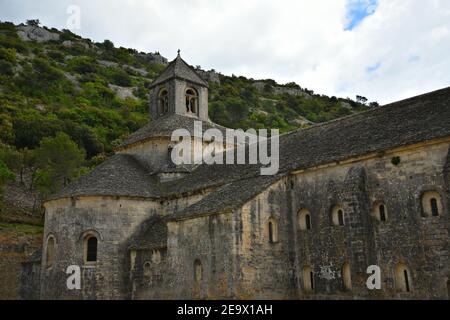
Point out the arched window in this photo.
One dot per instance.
(434, 207)
(337, 215)
(198, 271)
(431, 204)
(90, 249)
(379, 211)
(382, 210)
(50, 252)
(308, 279)
(341, 217)
(147, 270)
(346, 276)
(156, 256)
(304, 219)
(163, 102)
(402, 278)
(191, 100)
(273, 230)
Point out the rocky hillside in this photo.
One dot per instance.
(53, 81)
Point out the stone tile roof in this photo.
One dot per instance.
(164, 127)
(228, 197)
(398, 124)
(120, 175)
(152, 234)
(406, 122)
(179, 69)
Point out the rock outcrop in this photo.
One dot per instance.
(32, 33)
(123, 92)
(210, 76)
(261, 86)
(153, 58)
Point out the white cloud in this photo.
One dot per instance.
(398, 51)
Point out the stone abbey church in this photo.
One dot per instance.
(368, 189)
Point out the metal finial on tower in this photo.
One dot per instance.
(179, 51)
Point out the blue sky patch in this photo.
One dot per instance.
(373, 68)
(358, 10)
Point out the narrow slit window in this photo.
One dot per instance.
(308, 279)
(382, 213)
(308, 222)
(50, 253)
(403, 278)
(271, 232)
(198, 271)
(434, 207)
(91, 252)
(405, 275)
(341, 217)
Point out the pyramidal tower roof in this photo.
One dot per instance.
(179, 69)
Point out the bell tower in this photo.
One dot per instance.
(179, 90)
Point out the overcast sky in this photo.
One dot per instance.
(385, 50)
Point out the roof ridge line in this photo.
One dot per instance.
(363, 113)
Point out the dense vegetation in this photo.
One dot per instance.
(60, 113)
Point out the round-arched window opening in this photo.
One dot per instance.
(308, 279)
(402, 278)
(156, 256)
(50, 252)
(147, 270)
(191, 100)
(337, 216)
(272, 230)
(346, 276)
(432, 204)
(163, 102)
(90, 249)
(198, 271)
(379, 211)
(304, 220)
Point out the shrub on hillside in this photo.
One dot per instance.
(8, 55)
(83, 65)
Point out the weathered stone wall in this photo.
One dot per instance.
(153, 153)
(15, 248)
(30, 277)
(264, 268)
(153, 285)
(205, 240)
(421, 243)
(274, 270)
(238, 260)
(10, 265)
(208, 240)
(114, 220)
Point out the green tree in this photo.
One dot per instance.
(8, 55)
(6, 175)
(59, 160)
(33, 22)
(83, 65)
(6, 68)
